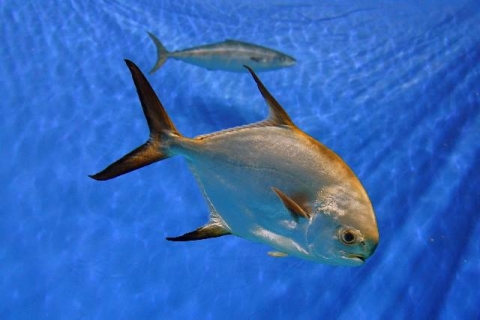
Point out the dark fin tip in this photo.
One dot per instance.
(98, 176)
(142, 156)
(248, 68)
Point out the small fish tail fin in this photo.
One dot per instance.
(162, 53)
(162, 132)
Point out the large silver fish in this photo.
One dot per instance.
(229, 55)
(267, 182)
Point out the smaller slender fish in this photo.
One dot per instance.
(229, 55)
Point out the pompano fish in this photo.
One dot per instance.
(229, 55)
(267, 182)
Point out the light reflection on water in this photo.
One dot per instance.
(393, 90)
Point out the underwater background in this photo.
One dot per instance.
(392, 87)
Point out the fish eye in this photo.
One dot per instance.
(347, 236)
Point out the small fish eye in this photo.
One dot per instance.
(347, 237)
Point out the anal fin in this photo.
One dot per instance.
(212, 230)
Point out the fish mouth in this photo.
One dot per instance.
(356, 259)
(356, 256)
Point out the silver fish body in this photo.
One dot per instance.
(229, 55)
(238, 168)
(267, 182)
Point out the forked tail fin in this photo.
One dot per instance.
(162, 53)
(162, 132)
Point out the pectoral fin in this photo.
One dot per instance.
(211, 230)
(295, 209)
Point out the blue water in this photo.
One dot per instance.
(392, 86)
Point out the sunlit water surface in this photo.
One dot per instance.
(392, 87)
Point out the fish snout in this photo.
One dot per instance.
(290, 61)
(370, 243)
(285, 61)
(370, 247)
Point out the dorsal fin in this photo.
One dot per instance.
(278, 116)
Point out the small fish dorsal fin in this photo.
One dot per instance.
(278, 116)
